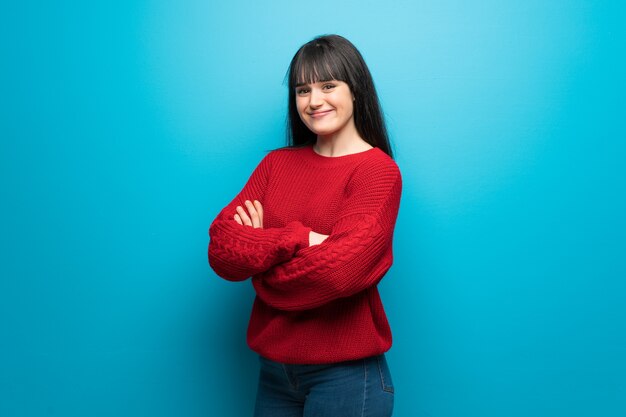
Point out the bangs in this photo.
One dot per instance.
(315, 64)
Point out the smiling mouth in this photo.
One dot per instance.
(320, 114)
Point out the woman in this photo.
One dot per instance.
(313, 227)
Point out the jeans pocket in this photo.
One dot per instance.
(385, 374)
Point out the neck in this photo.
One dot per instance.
(341, 143)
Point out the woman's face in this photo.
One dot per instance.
(325, 107)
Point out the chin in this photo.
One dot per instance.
(322, 132)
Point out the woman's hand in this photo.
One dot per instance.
(255, 217)
(316, 238)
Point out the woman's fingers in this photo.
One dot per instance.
(253, 217)
(259, 209)
(244, 216)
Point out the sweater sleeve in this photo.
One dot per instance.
(236, 251)
(355, 256)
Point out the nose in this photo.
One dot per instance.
(315, 98)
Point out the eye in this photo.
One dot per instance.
(329, 86)
(301, 91)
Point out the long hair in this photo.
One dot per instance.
(333, 57)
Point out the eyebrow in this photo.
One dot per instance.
(320, 81)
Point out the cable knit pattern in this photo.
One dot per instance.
(316, 304)
(237, 252)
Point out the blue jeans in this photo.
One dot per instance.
(359, 388)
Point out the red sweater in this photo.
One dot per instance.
(316, 304)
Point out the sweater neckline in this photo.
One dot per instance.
(337, 160)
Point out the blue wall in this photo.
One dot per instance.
(127, 126)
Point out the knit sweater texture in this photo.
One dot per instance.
(314, 304)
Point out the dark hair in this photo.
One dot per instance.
(333, 57)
